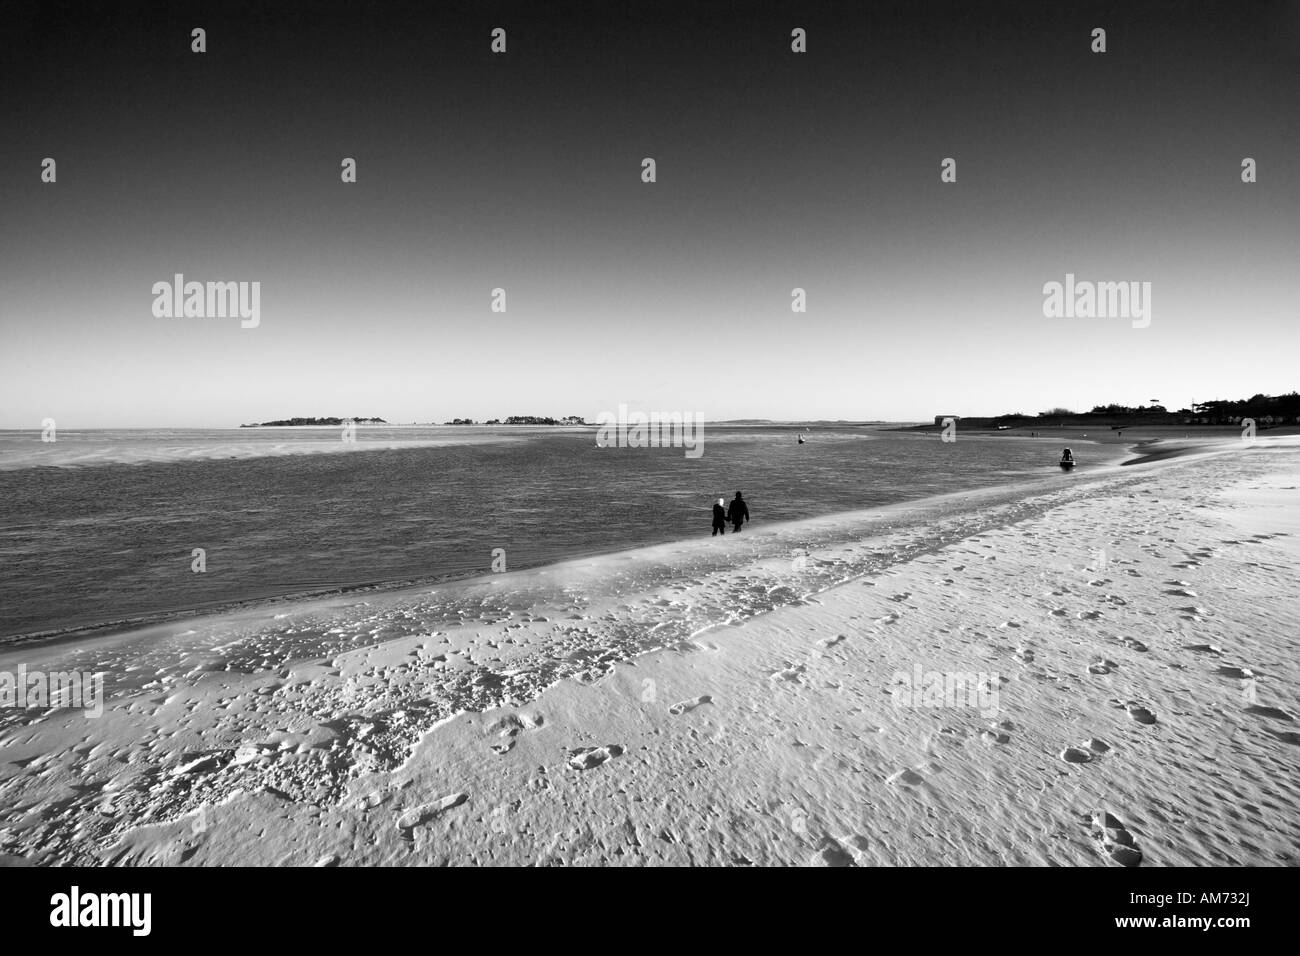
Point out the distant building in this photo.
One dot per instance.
(940, 419)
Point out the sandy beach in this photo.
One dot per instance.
(1127, 643)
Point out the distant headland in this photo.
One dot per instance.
(1267, 411)
(522, 420)
(290, 422)
(359, 420)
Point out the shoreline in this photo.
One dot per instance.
(346, 748)
(292, 601)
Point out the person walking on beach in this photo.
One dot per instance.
(719, 518)
(738, 513)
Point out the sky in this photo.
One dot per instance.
(523, 171)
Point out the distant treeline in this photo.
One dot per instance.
(512, 420)
(1266, 410)
(522, 420)
(318, 421)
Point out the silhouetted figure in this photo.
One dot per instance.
(1067, 455)
(719, 518)
(738, 513)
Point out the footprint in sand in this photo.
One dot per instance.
(1237, 672)
(420, 815)
(998, 733)
(1115, 839)
(1205, 648)
(907, 777)
(1089, 615)
(1026, 654)
(1134, 644)
(793, 673)
(1086, 752)
(832, 853)
(1275, 713)
(832, 641)
(509, 727)
(1102, 666)
(1140, 713)
(588, 758)
(686, 706)
(201, 765)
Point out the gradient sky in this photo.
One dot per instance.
(522, 171)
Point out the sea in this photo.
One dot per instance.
(108, 529)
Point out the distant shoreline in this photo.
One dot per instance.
(735, 422)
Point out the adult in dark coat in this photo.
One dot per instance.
(738, 513)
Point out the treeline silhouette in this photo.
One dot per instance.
(522, 420)
(358, 420)
(1267, 411)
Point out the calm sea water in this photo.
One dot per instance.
(99, 528)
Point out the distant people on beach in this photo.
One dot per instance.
(738, 513)
(1067, 455)
(719, 518)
